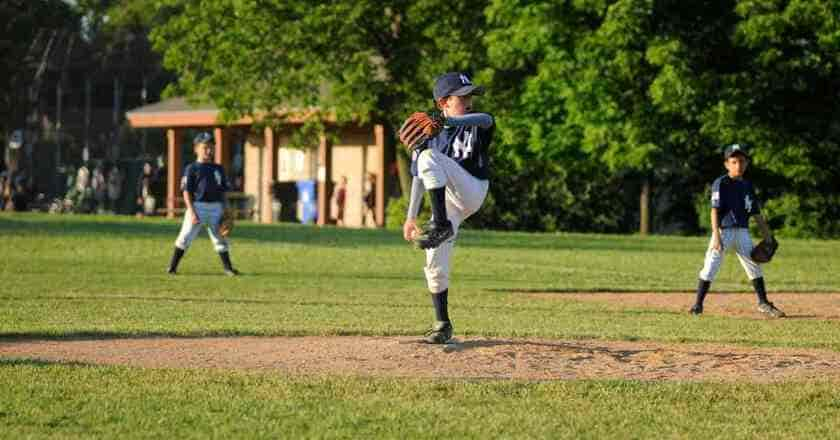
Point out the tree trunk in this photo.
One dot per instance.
(404, 170)
(644, 208)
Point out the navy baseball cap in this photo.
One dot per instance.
(203, 138)
(734, 149)
(455, 84)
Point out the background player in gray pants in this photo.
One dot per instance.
(204, 186)
(454, 167)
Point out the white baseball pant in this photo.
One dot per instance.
(740, 239)
(209, 214)
(464, 195)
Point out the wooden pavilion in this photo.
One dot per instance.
(352, 153)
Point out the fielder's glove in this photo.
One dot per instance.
(763, 252)
(226, 223)
(420, 127)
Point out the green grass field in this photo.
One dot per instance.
(103, 277)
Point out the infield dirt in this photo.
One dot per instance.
(478, 357)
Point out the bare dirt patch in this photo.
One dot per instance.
(795, 305)
(531, 359)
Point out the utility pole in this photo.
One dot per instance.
(88, 93)
(143, 99)
(59, 92)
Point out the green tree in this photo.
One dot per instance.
(780, 96)
(543, 179)
(358, 61)
(28, 25)
(652, 89)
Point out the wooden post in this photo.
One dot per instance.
(379, 134)
(269, 167)
(324, 184)
(644, 211)
(173, 170)
(221, 154)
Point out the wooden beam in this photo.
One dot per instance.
(173, 170)
(210, 118)
(269, 167)
(324, 183)
(379, 135)
(219, 148)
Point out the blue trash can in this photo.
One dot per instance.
(307, 201)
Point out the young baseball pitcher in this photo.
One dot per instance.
(204, 186)
(450, 161)
(733, 203)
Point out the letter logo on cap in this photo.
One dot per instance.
(464, 80)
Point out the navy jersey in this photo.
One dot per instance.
(469, 145)
(206, 182)
(735, 201)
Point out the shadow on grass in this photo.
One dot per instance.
(99, 335)
(502, 308)
(125, 226)
(29, 362)
(129, 227)
(212, 301)
(102, 335)
(586, 290)
(608, 290)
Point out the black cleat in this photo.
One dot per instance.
(434, 234)
(696, 309)
(231, 272)
(440, 333)
(770, 310)
(172, 271)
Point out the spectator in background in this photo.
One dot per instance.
(340, 200)
(114, 183)
(3, 179)
(159, 179)
(146, 200)
(19, 190)
(369, 201)
(80, 197)
(100, 190)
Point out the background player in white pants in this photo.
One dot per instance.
(204, 186)
(454, 167)
(733, 203)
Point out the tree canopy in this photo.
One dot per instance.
(593, 98)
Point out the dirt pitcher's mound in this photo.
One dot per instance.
(531, 359)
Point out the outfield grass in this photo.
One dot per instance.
(67, 276)
(75, 276)
(67, 401)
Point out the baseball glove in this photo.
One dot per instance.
(226, 223)
(420, 127)
(763, 252)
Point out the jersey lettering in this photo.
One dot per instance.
(462, 146)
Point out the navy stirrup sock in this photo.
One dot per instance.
(702, 289)
(438, 201)
(760, 292)
(440, 301)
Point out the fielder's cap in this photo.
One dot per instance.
(455, 84)
(734, 149)
(203, 138)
